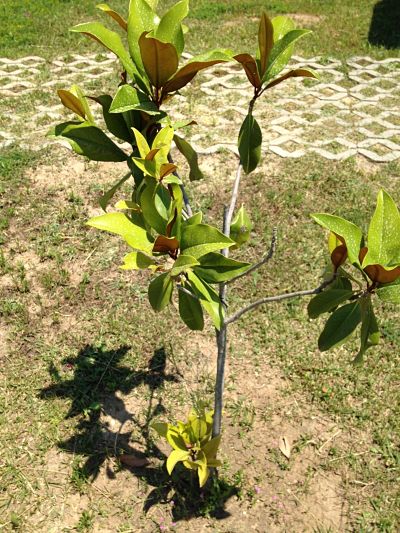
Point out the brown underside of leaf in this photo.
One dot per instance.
(250, 67)
(165, 244)
(297, 73)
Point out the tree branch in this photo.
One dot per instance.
(264, 260)
(278, 298)
(183, 289)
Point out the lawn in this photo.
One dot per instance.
(86, 364)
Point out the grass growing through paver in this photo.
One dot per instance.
(80, 348)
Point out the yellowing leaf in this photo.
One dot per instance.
(175, 457)
(71, 102)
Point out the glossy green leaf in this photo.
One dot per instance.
(216, 268)
(115, 123)
(105, 199)
(197, 63)
(328, 300)
(194, 219)
(160, 60)
(137, 261)
(241, 227)
(201, 239)
(250, 138)
(175, 457)
(114, 15)
(282, 52)
(339, 326)
(162, 142)
(120, 224)
(351, 234)
(169, 29)
(265, 41)
(141, 18)
(384, 234)
(282, 25)
(199, 429)
(129, 98)
(296, 73)
(141, 143)
(369, 329)
(90, 141)
(183, 263)
(208, 298)
(390, 292)
(109, 39)
(191, 157)
(190, 311)
(160, 291)
(155, 202)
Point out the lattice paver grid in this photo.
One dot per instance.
(354, 109)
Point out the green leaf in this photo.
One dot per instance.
(197, 63)
(329, 299)
(105, 199)
(160, 60)
(175, 457)
(155, 203)
(128, 98)
(216, 268)
(141, 142)
(175, 439)
(160, 427)
(200, 239)
(265, 41)
(208, 298)
(199, 429)
(114, 15)
(191, 157)
(110, 40)
(163, 141)
(384, 234)
(141, 18)
(137, 261)
(190, 311)
(115, 123)
(183, 263)
(241, 227)
(160, 291)
(202, 471)
(390, 292)
(120, 224)
(194, 219)
(282, 52)
(282, 25)
(339, 326)
(350, 233)
(211, 448)
(77, 91)
(369, 329)
(169, 29)
(250, 138)
(88, 140)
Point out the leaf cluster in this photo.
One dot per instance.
(192, 443)
(376, 264)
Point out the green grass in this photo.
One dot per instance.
(340, 27)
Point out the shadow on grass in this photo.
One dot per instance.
(385, 24)
(97, 378)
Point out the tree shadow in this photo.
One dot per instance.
(385, 24)
(97, 376)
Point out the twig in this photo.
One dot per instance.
(229, 213)
(183, 289)
(278, 298)
(265, 259)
